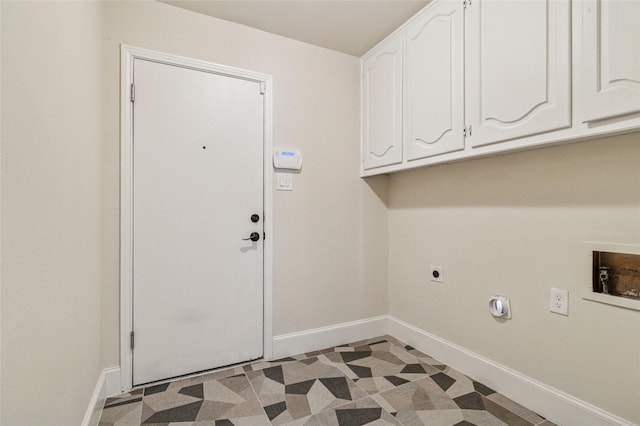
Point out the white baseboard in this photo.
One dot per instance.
(555, 405)
(326, 337)
(112, 385)
(108, 385)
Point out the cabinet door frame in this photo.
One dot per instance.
(606, 95)
(447, 133)
(553, 112)
(390, 151)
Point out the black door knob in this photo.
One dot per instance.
(255, 218)
(253, 237)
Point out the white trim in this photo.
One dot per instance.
(108, 385)
(128, 54)
(94, 410)
(326, 337)
(268, 221)
(551, 403)
(112, 386)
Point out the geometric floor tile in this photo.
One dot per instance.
(299, 389)
(378, 381)
(123, 410)
(378, 366)
(362, 412)
(229, 399)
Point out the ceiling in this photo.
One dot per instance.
(348, 26)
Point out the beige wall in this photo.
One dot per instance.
(330, 240)
(60, 189)
(51, 211)
(513, 225)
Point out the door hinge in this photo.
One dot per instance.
(133, 92)
(466, 131)
(263, 88)
(132, 339)
(466, 3)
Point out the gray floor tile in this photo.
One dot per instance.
(379, 381)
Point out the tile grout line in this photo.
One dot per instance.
(257, 397)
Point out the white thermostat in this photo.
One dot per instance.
(287, 159)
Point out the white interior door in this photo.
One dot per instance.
(197, 180)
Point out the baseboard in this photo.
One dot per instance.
(108, 385)
(112, 385)
(326, 337)
(551, 403)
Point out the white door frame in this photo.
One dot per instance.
(128, 55)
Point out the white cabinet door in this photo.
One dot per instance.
(382, 105)
(611, 58)
(434, 89)
(520, 56)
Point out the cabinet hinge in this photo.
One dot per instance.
(466, 3)
(466, 132)
(133, 92)
(263, 88)
(132, 339)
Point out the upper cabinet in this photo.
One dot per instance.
(467, 78)
(382, 105)
(434, 89)
(611, 58)
(520, 69)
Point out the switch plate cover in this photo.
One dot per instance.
(284, 181)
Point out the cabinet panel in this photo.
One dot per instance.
(434, 89)
(611, 58)
(519, 69)
(382, 105)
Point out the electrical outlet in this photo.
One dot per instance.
(437, 274)
(559, 301)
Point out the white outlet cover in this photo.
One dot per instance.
(559, 301)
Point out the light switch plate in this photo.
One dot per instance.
(284, 181)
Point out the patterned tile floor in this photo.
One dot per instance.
(375, 382)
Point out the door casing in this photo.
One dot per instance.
(128, 55)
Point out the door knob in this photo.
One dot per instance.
(253, 237)
(255, 218)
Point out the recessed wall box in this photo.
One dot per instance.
(613, 274)
(287, 159)
(616, 274)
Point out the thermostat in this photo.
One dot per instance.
(287, 159)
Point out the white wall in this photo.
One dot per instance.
(330, 239)
(513, 225)
(51, 212)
